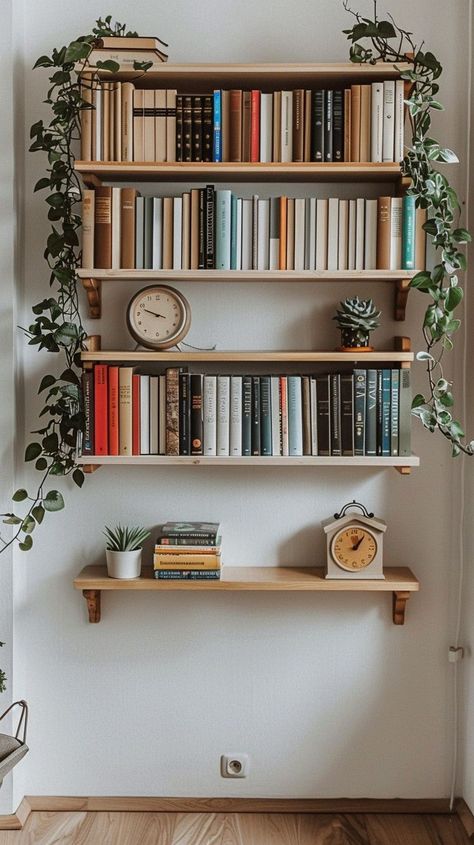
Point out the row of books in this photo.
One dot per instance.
(214, 229)
(364, 412)
(188, 551)
(125, 123)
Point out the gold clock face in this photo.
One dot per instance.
(353, 547)
(158, 317)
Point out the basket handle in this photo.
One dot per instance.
(23, 720)
(351, 506)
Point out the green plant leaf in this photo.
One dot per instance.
(32, 451)
(78, 477)
(53, 501)
(26, 544)
(20, 495)
(38, 513)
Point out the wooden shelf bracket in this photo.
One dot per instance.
(399, 599)
(402, 288)
(92, 288)
(92, 598)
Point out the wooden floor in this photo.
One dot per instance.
(236, 829)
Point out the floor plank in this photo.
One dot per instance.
(411, 829)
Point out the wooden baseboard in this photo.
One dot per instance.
(110, 804)
(466, 816)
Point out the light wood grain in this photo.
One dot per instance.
(415, 830)
(263, 578)
(246, 356)
(143, 171)
(248, 275)
(250, 461)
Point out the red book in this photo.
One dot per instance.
(135, 415)
(101, 401)
(255, 125)
(113, 411)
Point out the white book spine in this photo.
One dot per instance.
(223, 415)
(235, 447)
(314, 417)
(370, 252)
(162, 416)
(360, 233)
(154, 415)
(399, 145)
(99, 121)
(209, 415)
(351, 251)
(388, 120)
(274, 257)
(284, 415)
(177, 231)
(266, 121)
(144, 415)
(376, 124)
(116, 196)
(238, 241)
(246, 234)
(117, 94)
(321, 234)
(276, 415)
(157, 243)
(343, 243)
(263, 235)
(299, 233)
(310, 258)
(295, 416)
(287, 126)
(396, 218)
(333, 232)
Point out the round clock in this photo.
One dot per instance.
(158, 317)
(353, 547)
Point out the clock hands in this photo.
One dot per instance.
(154, 313)
(354, 548)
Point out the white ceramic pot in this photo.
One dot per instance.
(124, 564)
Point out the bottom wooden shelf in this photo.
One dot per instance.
(400, 581)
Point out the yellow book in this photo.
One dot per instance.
(186, 561)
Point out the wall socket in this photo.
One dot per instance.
(235, 765)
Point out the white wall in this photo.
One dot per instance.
(324, 693)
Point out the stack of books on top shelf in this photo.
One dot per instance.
(188, 551)
(363, 123)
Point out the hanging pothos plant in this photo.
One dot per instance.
(375, 40)
(57, 325)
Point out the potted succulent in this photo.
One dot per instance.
(124, 551)
(356, 318)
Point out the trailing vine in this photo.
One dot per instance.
(375, 40)
(57, 326)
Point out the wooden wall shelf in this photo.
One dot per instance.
(92, 279)
(403, 465)
(253, 356)
(94, 173)
(399, 581)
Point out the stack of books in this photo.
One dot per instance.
(188, 551)
(214, 229)
(362, 123)
(363, 412)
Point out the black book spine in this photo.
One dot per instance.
(186, 541)
(207, 128)
(360, 406)
(379, 412)
(317, 135)
(197, 128)
(371, 414)
(88, 410)
(323, 415)
(347, 414)
(196, 413)
(210, 227)
(246, 415)
(265, 416)
(338, 126)
(255, 415)
(187, 574)
(328, 121)
(335, 381)
(187, 128)
(202, 229)
(184, 415)
(179, 128)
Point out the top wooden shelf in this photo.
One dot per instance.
(200, 76)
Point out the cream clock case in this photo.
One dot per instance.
(354, 544)
(158, 317)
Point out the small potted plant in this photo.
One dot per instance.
(124, 551)
(356, 318)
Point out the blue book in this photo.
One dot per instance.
(223, 229)
(295, 416)
(217, 128)
(394, 412)
(386, 397)
(408, 232)
(233, 232)
(371, 414)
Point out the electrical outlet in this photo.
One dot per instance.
(235, 765)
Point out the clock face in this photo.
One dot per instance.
(353, 547)
(158, 317)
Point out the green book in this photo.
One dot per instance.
(408, 232)
(394, 416)
(371, 414)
